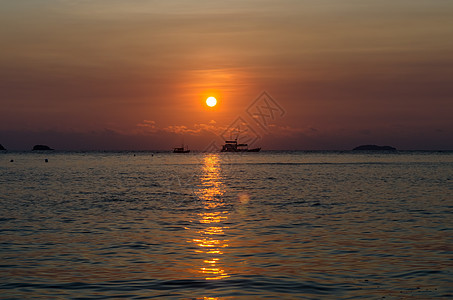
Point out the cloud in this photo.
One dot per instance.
(148, 126)
(151, 127)
(196, 129)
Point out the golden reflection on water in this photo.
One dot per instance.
(210, 239)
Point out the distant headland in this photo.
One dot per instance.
(41, 147)
(374, 148)
(2, 148)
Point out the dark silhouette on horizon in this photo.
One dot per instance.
(2, 148)
(374, 148)
(41, 147)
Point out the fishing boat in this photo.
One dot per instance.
(181, 149)
(234, 146)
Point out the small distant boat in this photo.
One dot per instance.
(233, 146)
(181, 149)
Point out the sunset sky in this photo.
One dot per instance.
(134, 75)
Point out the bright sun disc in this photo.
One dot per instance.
(211, 101)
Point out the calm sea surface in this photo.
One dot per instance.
(270, 225)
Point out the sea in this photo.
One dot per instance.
(267, 225)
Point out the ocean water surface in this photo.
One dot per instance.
(268, 225)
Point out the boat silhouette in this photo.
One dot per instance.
(234, 146)
(181, 149)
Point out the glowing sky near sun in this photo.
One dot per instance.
(137, 73)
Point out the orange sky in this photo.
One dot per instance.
(134, 74)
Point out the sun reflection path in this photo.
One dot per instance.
(210, 239)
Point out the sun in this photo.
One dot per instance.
(211, 102)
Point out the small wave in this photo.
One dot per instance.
(256, 285)
(418, 273)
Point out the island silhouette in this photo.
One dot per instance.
(374, 148)
(41, 147)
